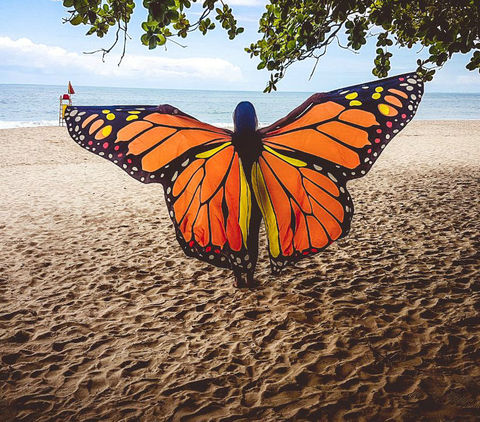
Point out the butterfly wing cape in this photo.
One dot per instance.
(207, 195)
(298, 182)
(300, 177)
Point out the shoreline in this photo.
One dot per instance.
(230, 125)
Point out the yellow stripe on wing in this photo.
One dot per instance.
(210, 152)
(245, 204)
(290, 160)
(266, 207)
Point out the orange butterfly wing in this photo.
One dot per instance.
(211, 208)
(207, 194)
(304, 210)
(300, 177)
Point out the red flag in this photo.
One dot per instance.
(70, 88)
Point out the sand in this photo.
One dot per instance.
(102, 317)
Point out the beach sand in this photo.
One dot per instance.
(102, 317)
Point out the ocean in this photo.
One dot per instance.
(37, 105)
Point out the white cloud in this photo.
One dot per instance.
(25, 53)
(455, 79)
(469, 79)
(246, 18)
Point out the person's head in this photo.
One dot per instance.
(245, 118)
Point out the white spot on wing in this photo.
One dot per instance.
(331, 176)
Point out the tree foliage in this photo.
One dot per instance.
(295, 30)
(166, 19)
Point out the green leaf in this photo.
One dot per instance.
(77, 20)
(92, 16)
(152, 43)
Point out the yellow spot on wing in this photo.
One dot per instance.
(105, 111)
(379, 89)
(245, 204)
(107, 130)
(266, 207)
(213, 151)
(134, 112)
(355, 103)
(376, 96)
(132, 117)
(110, 116)
(384, 109)
(290, 160)
(351, 96)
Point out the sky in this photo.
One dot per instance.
(37, 48)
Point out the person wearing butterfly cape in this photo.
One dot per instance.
(219, 184)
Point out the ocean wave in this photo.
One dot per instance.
(13, 124)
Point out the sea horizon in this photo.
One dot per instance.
(64, 86)
(30, 105)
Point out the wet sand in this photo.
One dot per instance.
(102, 317)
